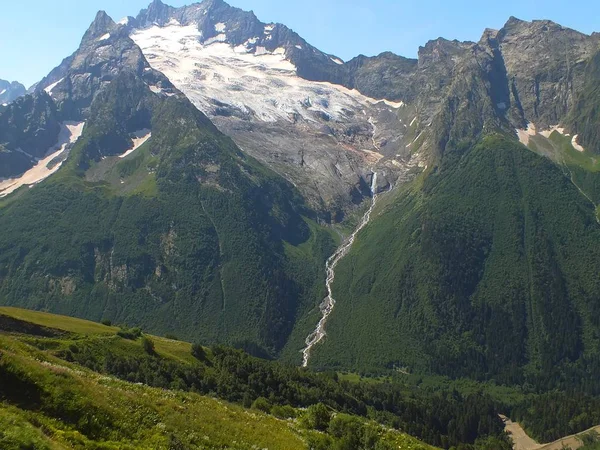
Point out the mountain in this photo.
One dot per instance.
(263, 85)
(199, 163)
(155, 217)
(9, 92)
(484, 266)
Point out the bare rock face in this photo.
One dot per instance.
(9, 92)
(105, 51)
(544, 64)
(28, 128)
(277, 97)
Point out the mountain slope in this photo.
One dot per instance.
(156, 218)
(263, 85)
(484, 271)
(9, 92)
(55, 398)
(484, 266)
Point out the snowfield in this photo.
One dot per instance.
(69, 133)
(248, 78)
(139, 138)
(52, 86)
(524, 135)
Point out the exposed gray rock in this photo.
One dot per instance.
(28, 128)
(104, 52)
(9, 92)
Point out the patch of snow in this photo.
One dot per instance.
(416, 139)
(524, 135)
(139, 138)
(52, 86)
(269, 28)
(241, 49)
(501, 105)
(548, 133)
(3, 91)
(258, 83)
(69, 133)
(252, 41)
(173, 22)
(576, 145)
(220, 27)
(124, 21)
(299, 47)
(160, 91)
(412, 122)
(104, 37)
(336, 60)
(395, 105)
(217, 38)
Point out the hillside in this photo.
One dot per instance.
(155, 218)
(485, 269)
(52, 396)
(199, 173)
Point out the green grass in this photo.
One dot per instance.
(49, 403)
(131, 416)
(64, 323)
(168, 347)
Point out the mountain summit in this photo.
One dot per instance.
(9, 92)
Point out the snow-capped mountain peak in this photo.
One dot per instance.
(252, 78)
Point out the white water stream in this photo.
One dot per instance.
(328, 304)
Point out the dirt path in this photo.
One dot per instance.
(521, 441)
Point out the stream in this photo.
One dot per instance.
(328, 304)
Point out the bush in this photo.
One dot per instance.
(318, 442)
(198, 352)
(148, 345)
(283, 412)
(262, 404)
(106, 322)
(317, 417)
(130, 333)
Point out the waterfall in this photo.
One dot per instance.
(328, 304)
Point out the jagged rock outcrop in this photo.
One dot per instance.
(9, 92)
(105, 50)
(29, 127)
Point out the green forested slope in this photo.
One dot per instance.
(186, 235)
(81, 384)
(489, 270)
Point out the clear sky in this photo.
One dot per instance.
(35, 35)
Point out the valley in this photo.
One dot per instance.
(300, 250)
(329, 303)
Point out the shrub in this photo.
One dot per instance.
(130, 333)
(262, 404)
(106, 322)
(283, 412)
(148, 345)
(198, 352)
(317, 417)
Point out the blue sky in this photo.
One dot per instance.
(36, 34)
